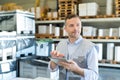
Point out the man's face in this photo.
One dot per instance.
(73, 27)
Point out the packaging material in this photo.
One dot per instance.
(49, 14)
(8, 49)
(88, 9)
(82, 9)
(103, 32)
(57, 31)
(109, 7)
(117, 53)
(20, 21)
(100, 53)
(55, 14)
(27, 70)
(110, 51)
(50, 29)
(42, 29)
(37, 13)
(92, 9)
(8, 70)
(89, 31)
(8, 34)
(44, 47)
(25, 46)
(113, 32)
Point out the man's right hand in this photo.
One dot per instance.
(56, 54)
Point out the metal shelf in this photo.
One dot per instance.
(83, 20)
(105, 40)
(109, 65)
(51, 21)
(97, 40)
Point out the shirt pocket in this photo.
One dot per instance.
(80, 61)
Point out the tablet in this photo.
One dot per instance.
(56, 60)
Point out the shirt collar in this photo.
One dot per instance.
(76, 42)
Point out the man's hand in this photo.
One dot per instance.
(56, 54)
(72, 66)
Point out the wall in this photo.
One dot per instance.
(30, 3)
(53, 3)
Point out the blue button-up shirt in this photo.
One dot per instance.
(90, 64)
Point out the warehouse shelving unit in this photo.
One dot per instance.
(97, 22)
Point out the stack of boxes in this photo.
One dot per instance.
(88, 9)
(17, 29)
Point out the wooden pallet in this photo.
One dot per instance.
(66, 7)
(65, 14)
(66, 11)
(44, 35)
(63, 36)
(107, 37)
(62, 18)
(95, 16)
(100, 37)
(67, 1)
(116, 62)
(106, 61)
(90, 37)
(109, 16)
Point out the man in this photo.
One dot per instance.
(82, 54)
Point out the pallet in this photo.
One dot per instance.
(86, 17)
(90, 37)
(66, 7)
(109, 61)
(66, 11)
(44, 35)
(62, 18)
(106, 61)
(67, 1)
(107, 37)
(100, 37)
(116, 62)
(64, 14)
(63, 36)
(109, 16)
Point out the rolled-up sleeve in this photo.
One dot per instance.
(91, 73)
(53, 69)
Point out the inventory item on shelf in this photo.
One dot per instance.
(109, 7)
(20, 21)
(8, 70)
(7, 49)
(89, 31)
(100, 53)
(11, 6)
(44, 47)
(110, 51)
(88, 9)
(117, 53)
(25, 46)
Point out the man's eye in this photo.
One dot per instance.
(70, 25)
